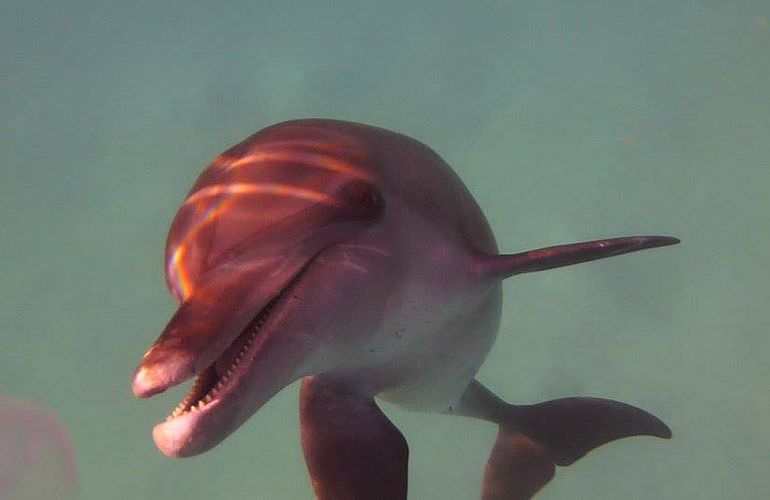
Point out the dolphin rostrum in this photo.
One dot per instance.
(355, 259)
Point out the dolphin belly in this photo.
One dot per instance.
(434, 374)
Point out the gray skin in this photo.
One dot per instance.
(398, 298)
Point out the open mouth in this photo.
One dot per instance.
(219, 376)
(240, 376)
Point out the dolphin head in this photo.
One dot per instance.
(250, 257)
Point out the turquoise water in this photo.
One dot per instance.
(566, 121)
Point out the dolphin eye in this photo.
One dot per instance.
(365, 201)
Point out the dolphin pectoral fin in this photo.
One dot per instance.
(504, 266)
(351, 448)
(517, 467)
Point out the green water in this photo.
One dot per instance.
(567, 120)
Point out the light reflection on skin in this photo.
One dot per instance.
(37, 457)
(211, 202)
(322, 161)
(211, 211)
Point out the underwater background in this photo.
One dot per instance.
(567, 120)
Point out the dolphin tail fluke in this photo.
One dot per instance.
(557, 432)
(517, 467)
(504, 266)
(571, 427)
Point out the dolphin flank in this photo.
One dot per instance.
(354, 258)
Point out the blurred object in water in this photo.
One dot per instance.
(37, 457)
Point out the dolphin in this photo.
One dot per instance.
(354, 259)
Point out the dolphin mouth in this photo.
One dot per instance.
(215, 380)
(220, 398)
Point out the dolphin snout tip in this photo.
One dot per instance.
(152, 377)
(148, 381)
